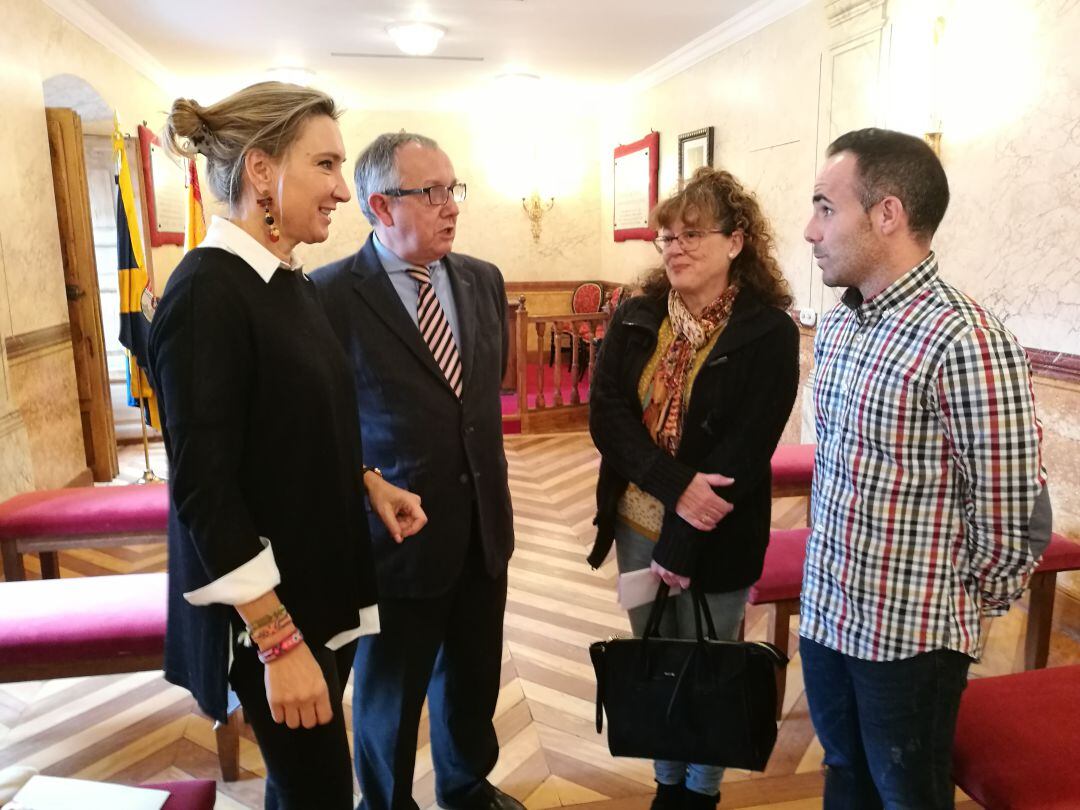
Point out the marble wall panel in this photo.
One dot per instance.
(43, 387)
(33, 272)
(16, 474)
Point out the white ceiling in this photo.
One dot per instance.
(214, 46)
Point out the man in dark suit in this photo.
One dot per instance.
(426, 332)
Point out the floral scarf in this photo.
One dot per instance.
(664, 415)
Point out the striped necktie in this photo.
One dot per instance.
(435, 329)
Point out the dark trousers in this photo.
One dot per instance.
(306, 769)
(886, 726)
(449, 647)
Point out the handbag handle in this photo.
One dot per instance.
(656, 613)
(701, 608)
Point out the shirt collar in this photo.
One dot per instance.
(225, 235)
(392, 263)
(910, 284)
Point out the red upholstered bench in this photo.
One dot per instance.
(197, 794)
(1061, 555)
(780, 585)
(51, 520)
(1018, 740)
(62, 628)
(793, 472)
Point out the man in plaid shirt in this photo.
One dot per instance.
(930, 506)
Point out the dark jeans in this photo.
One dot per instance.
(886, 726)
(306, 768)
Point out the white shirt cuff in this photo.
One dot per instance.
(369, 625)
(244, 584)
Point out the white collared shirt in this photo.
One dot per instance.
(260, 574)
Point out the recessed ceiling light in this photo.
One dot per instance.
(416, 38)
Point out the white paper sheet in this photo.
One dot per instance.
(54, 793)
(639, 587)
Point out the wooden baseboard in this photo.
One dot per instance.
(85, 478)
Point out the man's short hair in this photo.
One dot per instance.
(899, 165)
(376, 168)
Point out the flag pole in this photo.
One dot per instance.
(148, 476)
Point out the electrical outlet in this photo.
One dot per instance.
(808, 316)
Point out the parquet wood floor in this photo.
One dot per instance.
(132, 728)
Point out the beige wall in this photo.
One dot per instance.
(40, 428)
(501, 160)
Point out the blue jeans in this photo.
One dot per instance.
(887, 727)
(634, 552)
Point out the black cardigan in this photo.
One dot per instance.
(259, 421)
(739, 404)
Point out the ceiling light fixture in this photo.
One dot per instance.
(416, 38)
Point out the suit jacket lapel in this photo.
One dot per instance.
(463, 283)
(375, 288)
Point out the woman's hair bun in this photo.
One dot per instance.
(186, 130)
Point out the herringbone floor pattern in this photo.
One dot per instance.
(133, 728)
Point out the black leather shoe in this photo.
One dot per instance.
(486, 797)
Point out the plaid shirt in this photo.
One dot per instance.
(930, 506)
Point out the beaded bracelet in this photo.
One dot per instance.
(282, 647)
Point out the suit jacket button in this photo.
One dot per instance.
(464, 478)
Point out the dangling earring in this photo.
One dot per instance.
(268, 218)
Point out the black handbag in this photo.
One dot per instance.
(704, 701)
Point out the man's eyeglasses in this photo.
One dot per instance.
(436, 195)
(688, 240)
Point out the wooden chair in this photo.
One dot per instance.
(587, 299)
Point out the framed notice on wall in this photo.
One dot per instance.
(166, 192)
(636, 167)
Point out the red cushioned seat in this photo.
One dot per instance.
(48, 623)
(781, 577)
(1061, 555)
(793, 465)
(85, 510)
(1018, 740)
(196, 794)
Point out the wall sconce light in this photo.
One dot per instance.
(535, 209)
(933, 140)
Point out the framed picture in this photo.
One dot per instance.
(695, 151)
(636, 167)
(166, 195)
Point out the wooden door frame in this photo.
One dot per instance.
(84, 301)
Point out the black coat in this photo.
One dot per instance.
(415, 430)
(739, 404)
(259, 421)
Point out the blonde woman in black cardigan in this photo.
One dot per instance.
(695, 381)
(271, 577)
